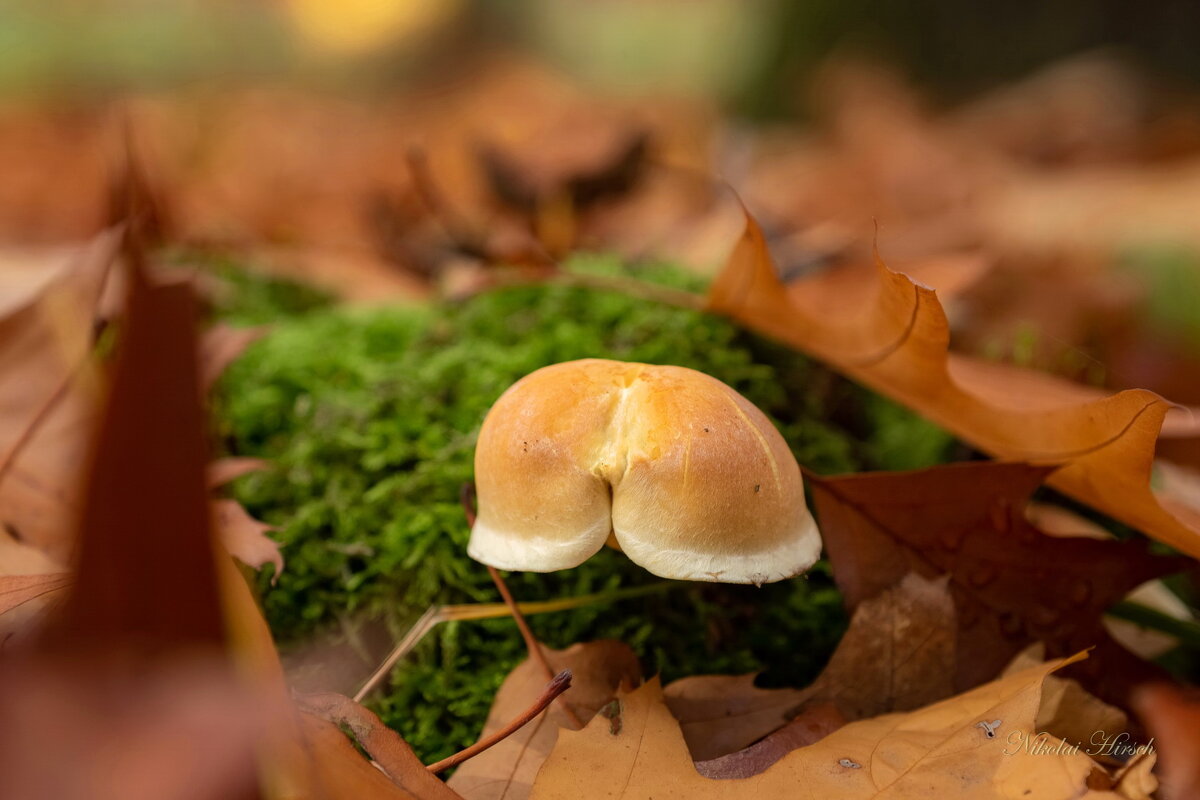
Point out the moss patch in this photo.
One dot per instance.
(370, 418)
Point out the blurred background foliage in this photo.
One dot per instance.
(752, 55)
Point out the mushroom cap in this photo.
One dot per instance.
(688, 476)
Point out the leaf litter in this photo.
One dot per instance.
(946, 579)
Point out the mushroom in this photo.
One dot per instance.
(668, 464)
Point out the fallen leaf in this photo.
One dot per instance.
(131, 670)
(386, 747)
(897, 654)
(1147, 643)
(1172, 715)
(245, 537)
(336, 770)
(220, 347)
(132, 681)
(48, 406)
(810, 726)
(1011, 584)
(226, 470)
(720, 714)
(1068, 711)
(898, 345)
(16, 590)
(508, 770)
(967, 746)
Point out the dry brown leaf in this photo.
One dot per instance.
(720, 714)
(898, 654)
(942, 750)
(810, 726)
(16, 590)
(1172, 715)
(898, 345)
(225, 470)
(48, 403)
(245, 537)
(221, 345)
(131, 672)
(1149, 644)
(185, 730)
(386, 747)
(1068, 711)
(335, 770)
(1011, 584)
(508, 770)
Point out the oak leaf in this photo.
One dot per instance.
(897, 654)
(136, 666)
(898, 345)
(48, 403)
(508, 769)
(1011, 584)
(967, 746)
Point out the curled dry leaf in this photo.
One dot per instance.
(898, 345)
(507, 770)
(942, 750)
(1068, 711)
(1011, 584)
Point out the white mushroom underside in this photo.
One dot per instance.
(517, 552)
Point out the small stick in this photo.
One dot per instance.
(559, 684)
(531, 643)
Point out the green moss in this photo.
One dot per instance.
(370, 419)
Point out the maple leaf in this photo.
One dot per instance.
(1011, 584)
(968, 745)
(898, 345)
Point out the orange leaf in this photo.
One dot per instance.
(967, 746)
(18, 589)
(898, 345)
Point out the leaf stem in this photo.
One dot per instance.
(558, 684)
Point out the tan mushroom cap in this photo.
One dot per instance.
(689, 477)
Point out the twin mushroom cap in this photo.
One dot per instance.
(672, 466)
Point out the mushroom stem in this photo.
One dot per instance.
(531, 643)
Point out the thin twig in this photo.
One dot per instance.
(531, 642)
(414, 635)
(465, 612)
(558, 684)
